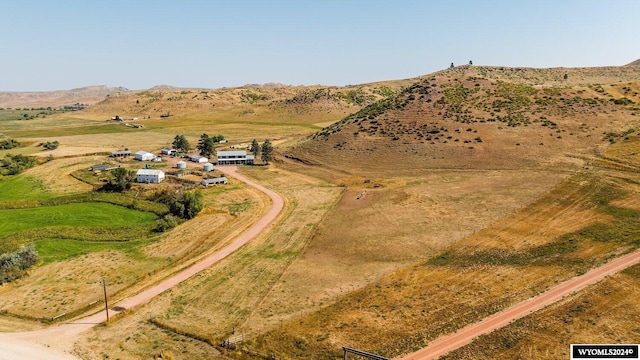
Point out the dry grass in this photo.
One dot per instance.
(244, 290)
(56, 174)
(68, 286)
(324, 271)
(605, 313)
(477, 276)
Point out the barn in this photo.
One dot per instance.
(198, 159)
(214, 181)
(149, 176)
(144, 156)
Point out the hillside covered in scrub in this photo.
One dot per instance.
(482, 118)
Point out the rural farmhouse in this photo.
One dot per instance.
(234, 157)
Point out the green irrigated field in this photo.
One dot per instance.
(78, 215)
(54, 250)
(22, 188)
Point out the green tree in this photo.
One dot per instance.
(121, 181)
(180, 143)
(192, 203)
(255, 147)
(267, 151)
(184, 205)
(205, 145)
(217, 138)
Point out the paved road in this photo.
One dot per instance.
(465, 335)
(54, 343)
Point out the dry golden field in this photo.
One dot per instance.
(403, 222)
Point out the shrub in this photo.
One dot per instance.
(14, 265)
(8, 144)
(14, 164)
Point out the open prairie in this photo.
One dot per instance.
(412, 209)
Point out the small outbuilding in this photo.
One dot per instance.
(170, 152)
(99, 167)
(207, 167)
(144, 156)
(181, 165)
(149, 176)
(198, 159)
(121, 153)
(214, 181)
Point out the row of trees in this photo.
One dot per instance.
(266, 150)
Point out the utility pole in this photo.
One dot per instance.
(106, 304)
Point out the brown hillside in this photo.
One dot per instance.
(243, 101)
(634, 63)
(86, 95)
(458, 119)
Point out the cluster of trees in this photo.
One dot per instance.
(9, 144)
(14, 265)
(14, 164)
(121, 180)
(182, 205)
(266, 150)
(206, 144)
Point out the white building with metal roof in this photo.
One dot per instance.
(149, 176)
(234, 157)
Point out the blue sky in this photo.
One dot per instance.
(64, 44)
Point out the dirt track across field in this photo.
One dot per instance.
(55, 343)
(466, 335)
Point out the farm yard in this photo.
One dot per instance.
(375, 228)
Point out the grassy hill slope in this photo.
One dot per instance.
(481, 118)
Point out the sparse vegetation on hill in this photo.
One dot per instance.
(458, 120)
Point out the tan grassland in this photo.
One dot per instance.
(605, 313)
(387, 241)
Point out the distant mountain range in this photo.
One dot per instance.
(93, 94)
(37, 99)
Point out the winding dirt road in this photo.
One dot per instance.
(465, 335)
(55, 343)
